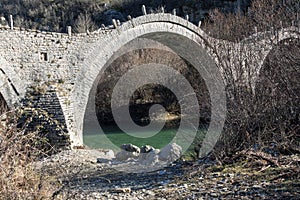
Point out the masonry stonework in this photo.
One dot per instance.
(69, 64)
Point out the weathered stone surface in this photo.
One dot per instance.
(106, 157)
(146, 149)
(150, 158)
(130, 148)
(170, 152)
(125, 155)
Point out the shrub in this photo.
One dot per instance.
(270, 114)
(18, 149)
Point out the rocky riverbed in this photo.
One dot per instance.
(77, 175)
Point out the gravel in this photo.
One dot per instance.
(81, 177)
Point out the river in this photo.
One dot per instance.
(97, 140)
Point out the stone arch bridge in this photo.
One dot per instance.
(70, 64)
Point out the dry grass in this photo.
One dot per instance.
(18, 149)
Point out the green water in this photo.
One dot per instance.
(96, 140)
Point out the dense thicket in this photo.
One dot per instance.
(270, 114)
(261, 16)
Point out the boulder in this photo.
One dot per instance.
(128, 151)
(109, 154)
(130, 148)
(170, 152)
(148, 155)
(125, 155)
(150, 158)
(146, 149)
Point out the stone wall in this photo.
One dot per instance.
(44, 61)
(43, 56)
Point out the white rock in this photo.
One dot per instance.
(125, 155)
(150, 158)
(109, 153)
(170, 152)
(130, 148)
(146, 149)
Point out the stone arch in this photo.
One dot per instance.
(261, 44)
(283, 58)
(277, 93)
(175, 33)
(279, 36)
(11, 86)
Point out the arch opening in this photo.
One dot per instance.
(185, 43)
(144, 98)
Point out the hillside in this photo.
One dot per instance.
(83, 15)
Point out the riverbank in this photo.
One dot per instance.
(77, 175)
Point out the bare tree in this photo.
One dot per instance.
(84, 23)
(271, 113)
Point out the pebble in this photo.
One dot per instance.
(150, 193)
(257, 186)
(213, 194)
(161, 185)
(123, 190)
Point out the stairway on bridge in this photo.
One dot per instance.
(43, 112)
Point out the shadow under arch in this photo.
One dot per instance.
(144, 97)
(182, 41)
